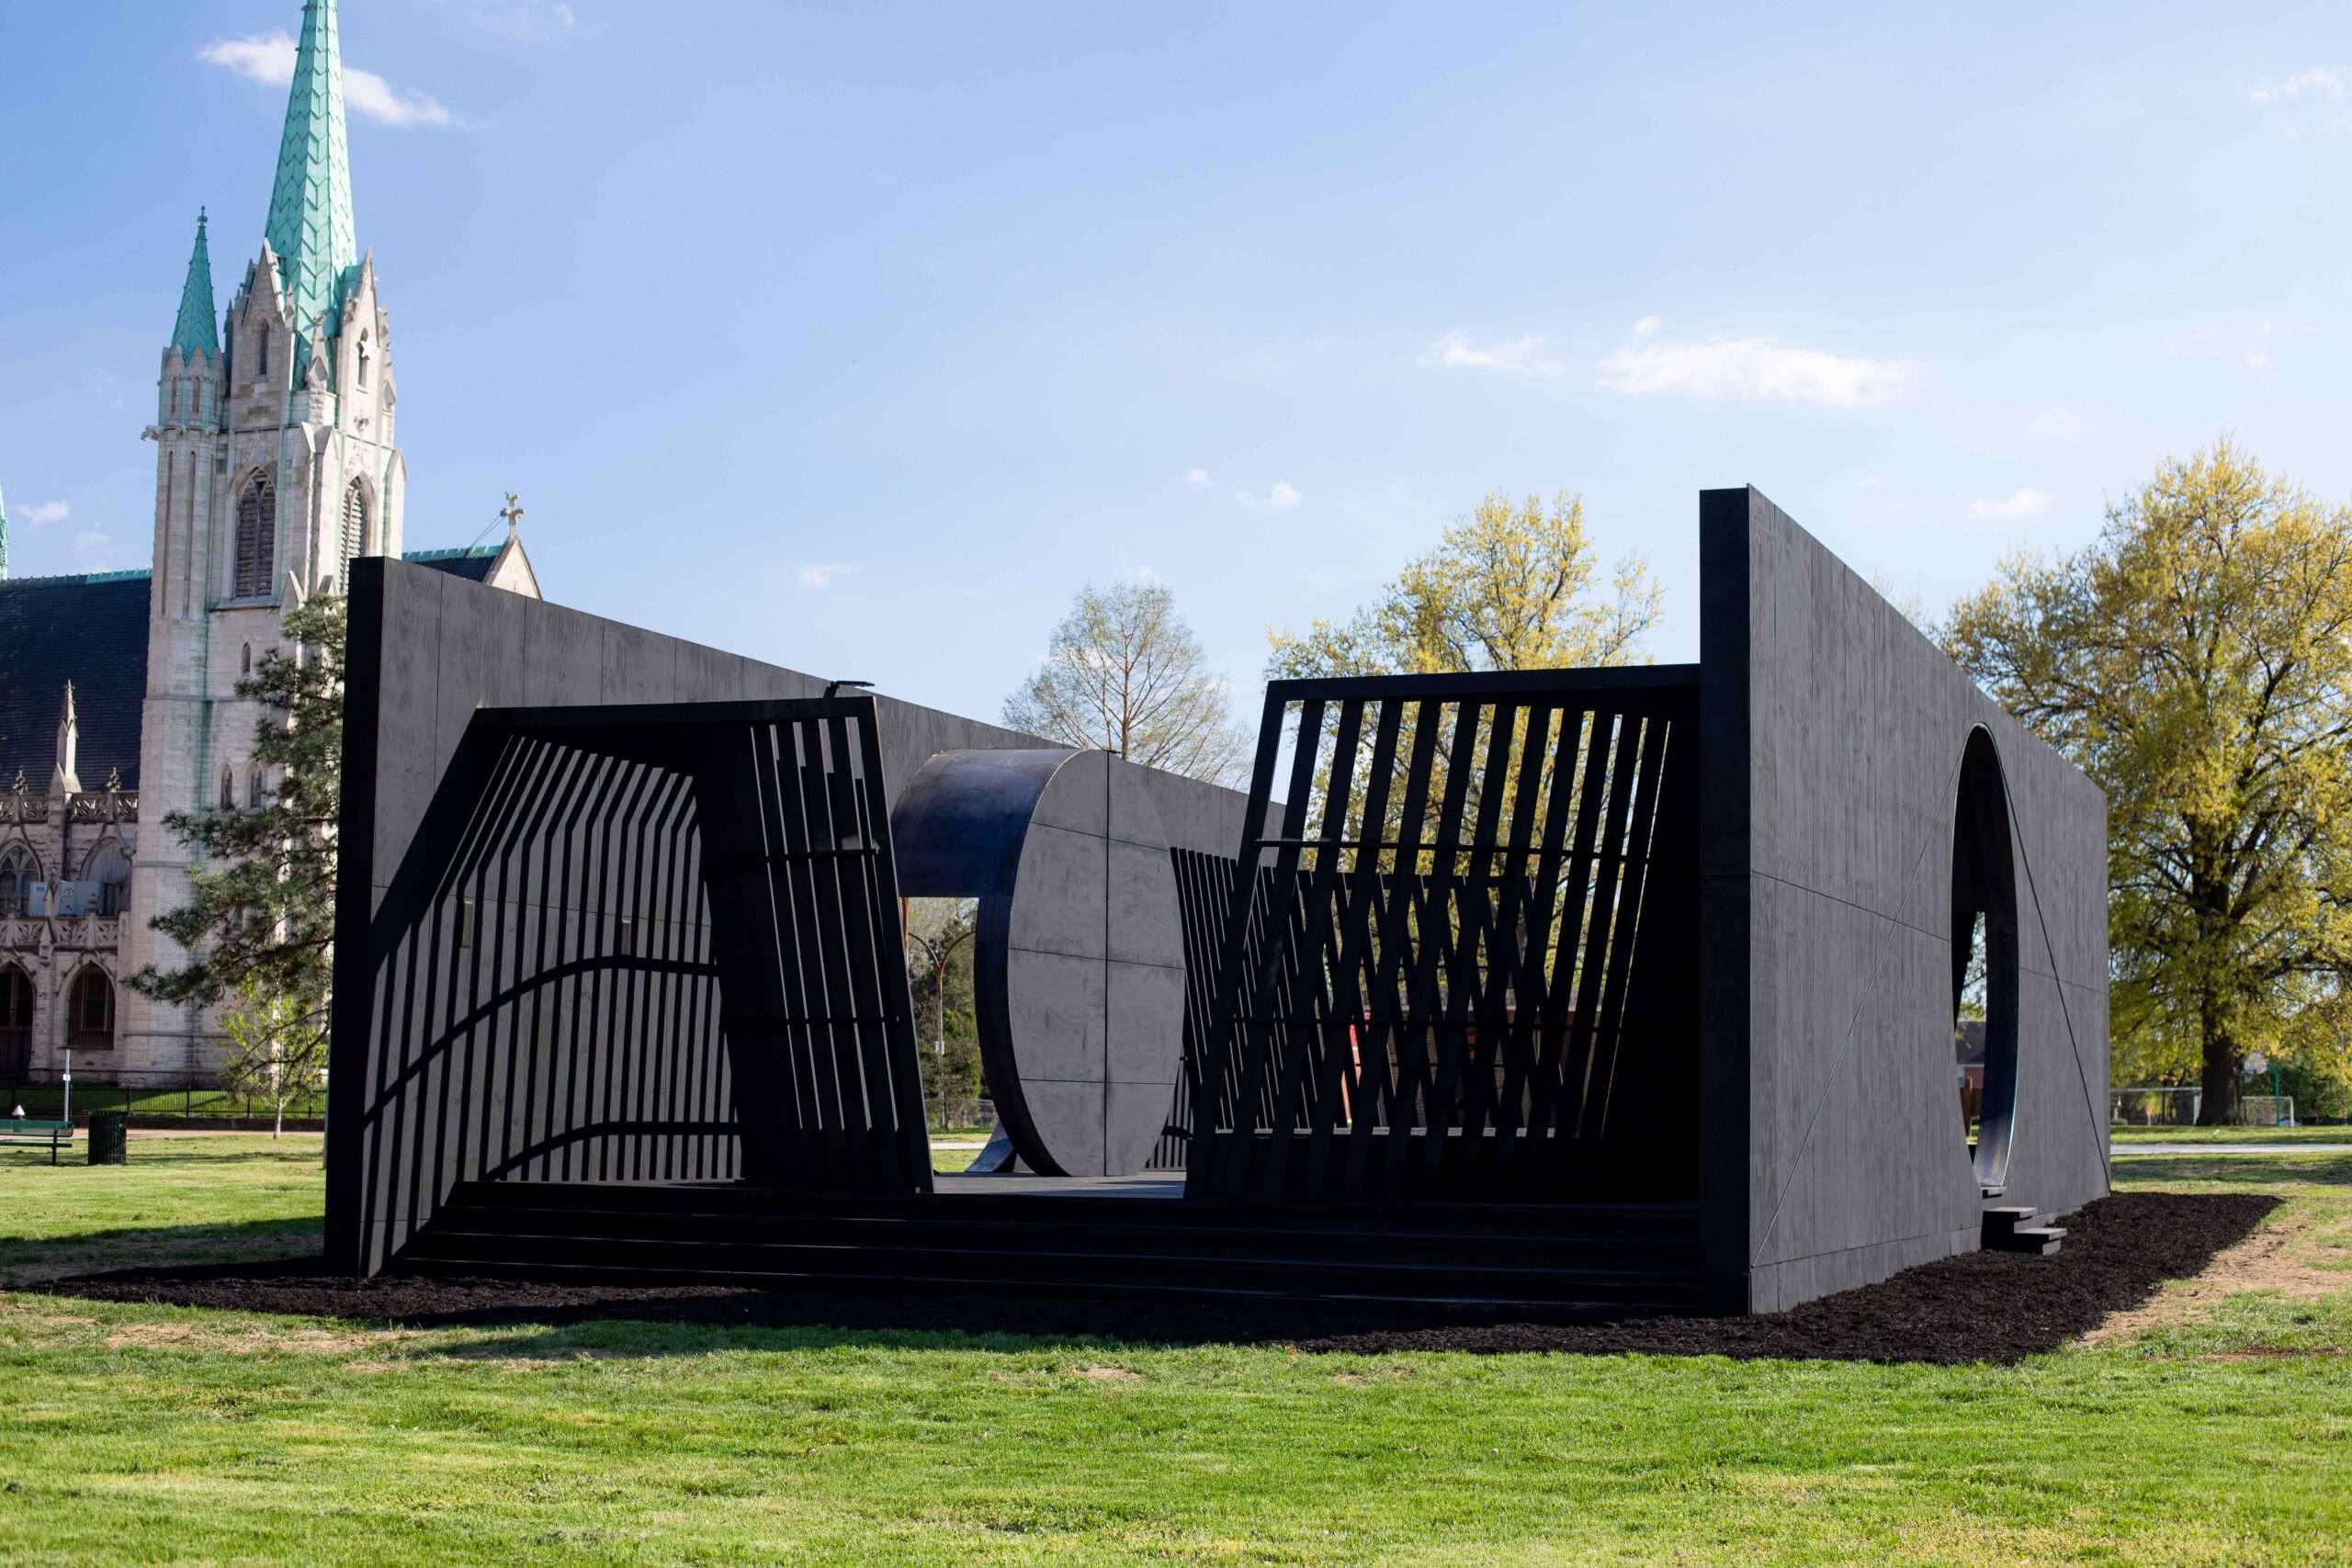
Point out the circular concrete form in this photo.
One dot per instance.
(1079, 969)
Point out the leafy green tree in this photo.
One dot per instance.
(259, 922)
(1508, 587)
(2196, 662)
(276, 1049)
(940, 937)
(1123, 672)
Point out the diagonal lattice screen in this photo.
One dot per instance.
(1469, 971)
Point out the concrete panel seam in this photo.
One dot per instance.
(1837, 1062)
(1858, 908)
(2096, 1113)
(1859, 1246)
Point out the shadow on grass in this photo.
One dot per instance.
(1981, 1306)
(230, 1245)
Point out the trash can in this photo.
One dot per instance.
(108, 1142)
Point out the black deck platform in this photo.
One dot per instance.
(986, 1233)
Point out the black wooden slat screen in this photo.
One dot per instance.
(1468, 966)
(642, 944)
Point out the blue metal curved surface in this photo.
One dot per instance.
(959, 824)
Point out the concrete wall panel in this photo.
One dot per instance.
(1835, 733)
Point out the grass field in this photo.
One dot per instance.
(47, 1099)
(2335, 1134)
(2215, 1428)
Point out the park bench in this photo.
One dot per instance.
(20, 1129)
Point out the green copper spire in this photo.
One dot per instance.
(194, 332)
(310, 207)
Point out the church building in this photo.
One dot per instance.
(275, 465)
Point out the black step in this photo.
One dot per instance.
(921, 1223)
(674, 1199)
(2010, 1227)
(2041, 1240)
(1614, 1256)
(647, 1259)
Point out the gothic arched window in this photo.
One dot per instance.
(355, 523)
(261, 352)
(363, 363)
(15, 998)
(256, 538)
(110, 869)
(246, 660)
(89, 1011)
(19, 876)
(253, 787)
(15, 1022)
(228, 788)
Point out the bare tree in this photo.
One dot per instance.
(1124, 673)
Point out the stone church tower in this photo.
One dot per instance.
(275, 466)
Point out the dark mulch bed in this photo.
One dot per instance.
(1982, 1306)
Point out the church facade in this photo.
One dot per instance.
(277, 466)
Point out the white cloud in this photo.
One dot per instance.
(46, 512)
(269, 58)
(2319, 81)
(821, 573)
(1282, 497)
(1521, 356)
(2015, 508)
(375, 98)
(1759, 367)
(1197, 478)
(531, 20)
(2249, 345)
(1648, 325)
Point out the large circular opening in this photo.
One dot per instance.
(1985, 961)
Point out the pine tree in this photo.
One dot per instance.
(260, 917)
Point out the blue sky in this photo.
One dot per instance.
(857, 337)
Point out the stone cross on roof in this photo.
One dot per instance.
(513, 513)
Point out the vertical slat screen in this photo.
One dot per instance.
(643, 944)
(1467, 966)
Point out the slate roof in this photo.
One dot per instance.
(90, 629)
(472, 563)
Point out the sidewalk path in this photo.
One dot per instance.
(2123, 1151)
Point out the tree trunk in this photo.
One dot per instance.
(277, 1128)
(2220, 1080)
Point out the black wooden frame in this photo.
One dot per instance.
(640, 943)
(1460, 1011)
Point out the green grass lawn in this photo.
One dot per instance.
(2233, 1134)
(47, 1099)
(2220, 1431)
